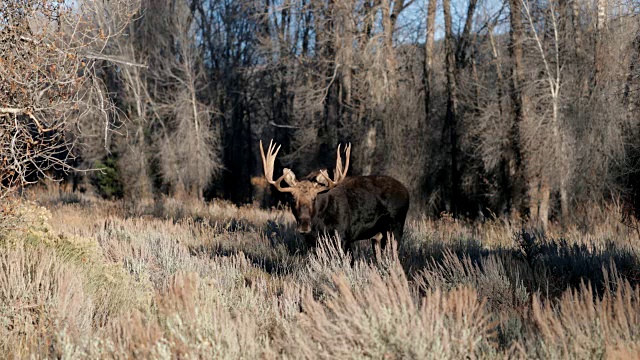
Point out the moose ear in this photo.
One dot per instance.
(289, 177)
(321, 179)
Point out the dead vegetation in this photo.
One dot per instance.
(98, 279)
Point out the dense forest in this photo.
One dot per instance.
(521, 107)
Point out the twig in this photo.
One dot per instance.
(90, 55)
(284, 126)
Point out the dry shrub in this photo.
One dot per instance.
(592, 223)
(192, 312)
(329, 258)
(447, 230)
(215, 316)
(30, 232)
(217, 281)
(150, 251)
(497, 278)
(559, 264)
(426, 237)
(584, 325)
(22, 219)
(219, 213)
(382, 320)
(40, 295)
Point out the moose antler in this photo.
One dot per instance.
(339, 173)
(268, 162)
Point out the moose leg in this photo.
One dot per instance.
(397, 233)
(385, 237)
(378, 242)
(397, 230)
(348, 251)
(384, 240)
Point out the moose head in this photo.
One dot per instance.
(304, 191)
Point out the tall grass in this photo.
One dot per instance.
(94, 279)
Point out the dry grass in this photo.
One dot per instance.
(85, 278)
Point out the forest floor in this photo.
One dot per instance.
(86, 278)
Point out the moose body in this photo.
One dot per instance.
(356, 207)
(361, 208)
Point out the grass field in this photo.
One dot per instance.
(86, 278)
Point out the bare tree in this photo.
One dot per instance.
(138, 106)
(452, 105)
(520, 103)
(49, 84)
(540, 182)
(600, 25)
(508, 133)
(187, 141)
(428, 55)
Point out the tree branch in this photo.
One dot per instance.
(283, 126)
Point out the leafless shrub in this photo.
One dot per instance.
(329, 258)
(382, 320)
(40, 296)
(585, 325)
(499, 279)
(187, 146)
(50, 88)
(211, 284)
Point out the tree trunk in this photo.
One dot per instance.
(388, 25)
(239, 161)
(597, 50)
(328, 131)
(520, 104)
(465, 39)
(545, 192)
(369, 150)
(583, 81)
(452, 104)
(635, 57)
(504, 176)
(428, 58)
(346, 49)
(498, 64)
(144, 178)
(476, 84)
(577, 27)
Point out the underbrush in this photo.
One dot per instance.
(87, 278)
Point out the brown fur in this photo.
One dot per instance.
(359, 208)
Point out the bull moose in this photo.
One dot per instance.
(354, 207)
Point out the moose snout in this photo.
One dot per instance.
(304, 230)
(304, 226)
